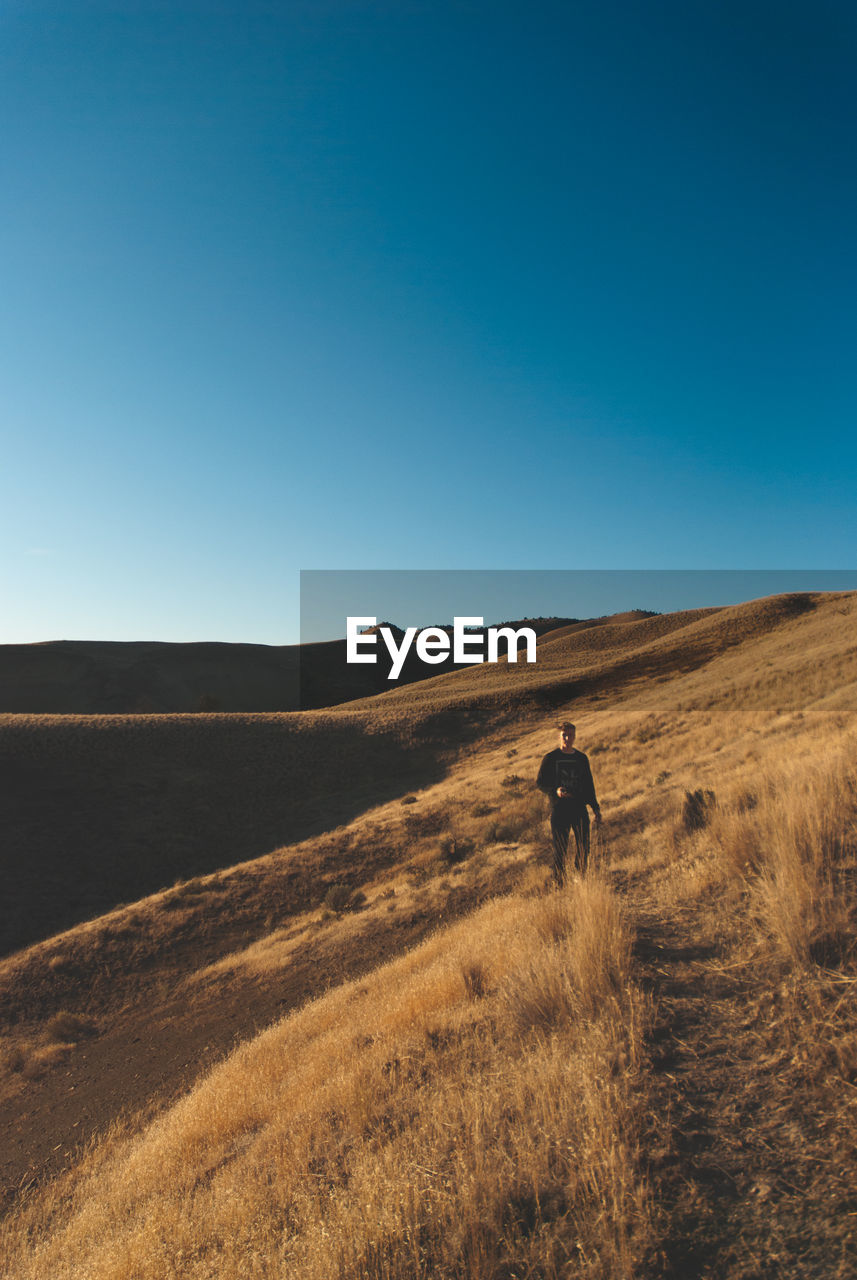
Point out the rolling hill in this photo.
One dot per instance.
(84, 677)
(295, 912)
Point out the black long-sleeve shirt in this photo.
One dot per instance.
(569, 769)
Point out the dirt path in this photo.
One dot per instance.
(740, 1161)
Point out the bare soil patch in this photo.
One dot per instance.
(151, 1054)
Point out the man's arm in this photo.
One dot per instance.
(546, 781)
(591, 798)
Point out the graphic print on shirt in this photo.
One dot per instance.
(569, 774)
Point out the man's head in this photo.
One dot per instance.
(566, 736)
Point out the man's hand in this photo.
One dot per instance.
(562, 792)
(598, 817)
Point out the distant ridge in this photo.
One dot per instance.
(85, 677)
(92, 677)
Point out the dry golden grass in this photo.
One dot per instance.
(791, 842)
(496, 1103)
(422, 1123)
(478, 1108)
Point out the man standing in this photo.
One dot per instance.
(565, 776)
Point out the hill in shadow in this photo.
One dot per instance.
(100, 810)
(86, 677)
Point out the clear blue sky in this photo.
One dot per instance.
(335, 284)
(425, 597)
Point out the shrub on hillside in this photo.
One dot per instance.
(697, 809)
(68, 1028)
(649, 730)
(429, 823)
(475, 979)
(453, 849)
(340, 897)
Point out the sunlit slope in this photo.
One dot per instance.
(100, 810)
(511, 1093)
(794, 646)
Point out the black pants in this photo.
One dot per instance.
(564, 820)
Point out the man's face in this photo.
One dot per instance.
(566, 739)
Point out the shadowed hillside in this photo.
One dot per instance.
(83, 677)
(108, 809)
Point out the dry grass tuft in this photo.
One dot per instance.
(697, 809)
(69, 1028)
(795, 851)
(475, 979)
(584, 968)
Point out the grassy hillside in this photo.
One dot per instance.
(652, 1073)
(106, 809)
